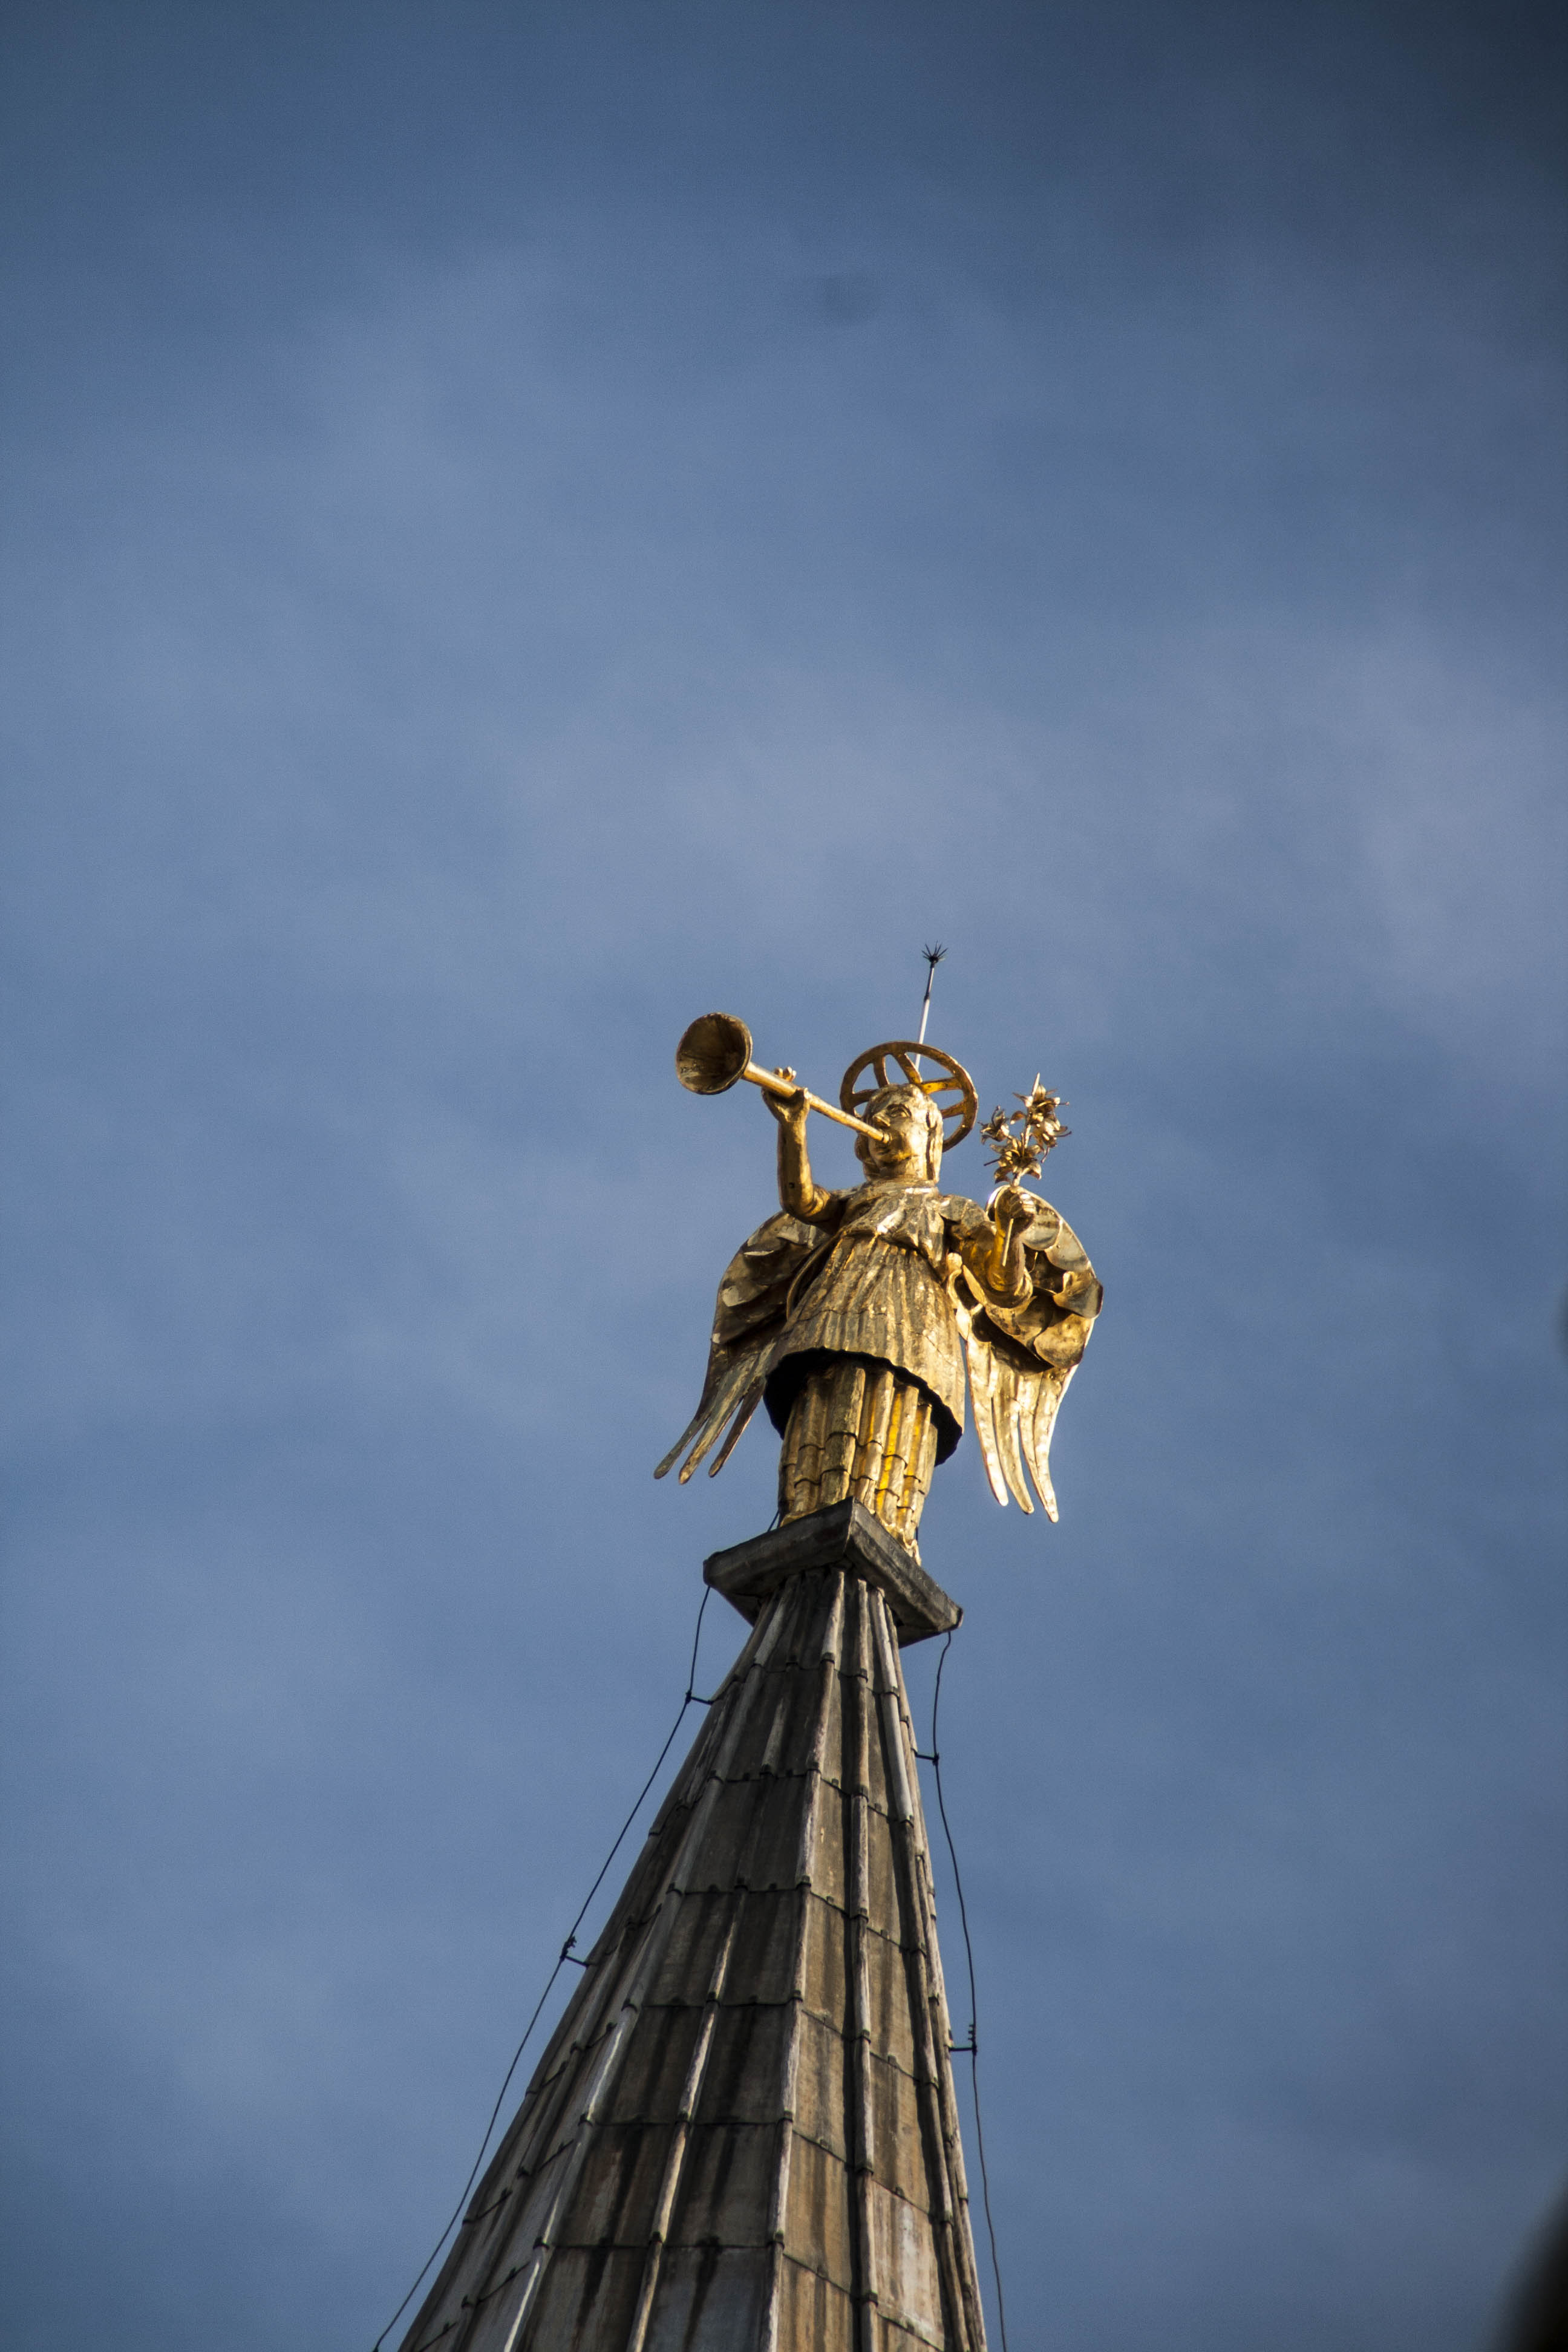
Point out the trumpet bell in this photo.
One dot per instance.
(713, 1053)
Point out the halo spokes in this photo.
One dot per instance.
(896, 1063)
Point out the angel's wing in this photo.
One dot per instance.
(1020, 1362)
(748, 1322)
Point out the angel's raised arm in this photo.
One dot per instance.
(798, 1192)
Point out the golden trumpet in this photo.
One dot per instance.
(716, 1053)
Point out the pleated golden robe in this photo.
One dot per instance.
(854, 1329)
(879, 1292)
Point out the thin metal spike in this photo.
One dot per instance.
(934, 956)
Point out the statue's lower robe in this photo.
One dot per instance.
(858, 1431)
(743, 2135)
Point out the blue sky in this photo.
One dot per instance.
(528, 523)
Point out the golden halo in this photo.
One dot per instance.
(905, 1055)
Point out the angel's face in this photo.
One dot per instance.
(909, 1148)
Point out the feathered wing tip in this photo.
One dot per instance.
(673, 1456)
(737, 1427)
(691, 1428)
(1016, 1407)
(983, 1383)
(734, 1383)
(1038, 1445)
(747, 1318)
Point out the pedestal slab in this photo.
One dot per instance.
(843, 1536)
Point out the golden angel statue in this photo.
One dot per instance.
(851, 1315)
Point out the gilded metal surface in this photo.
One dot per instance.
(899, 1277)
(715, 1054)
(743, 2135)
(858, 1432)
(1020, 1140)
(953, 1093)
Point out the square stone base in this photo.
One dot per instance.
(843, 1536)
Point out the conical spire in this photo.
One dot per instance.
(743, 2135)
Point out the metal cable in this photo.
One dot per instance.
(972, 2048)
(565, 1954)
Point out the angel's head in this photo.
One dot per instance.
(912, 1125)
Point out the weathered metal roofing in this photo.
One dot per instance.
(743, 2135)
